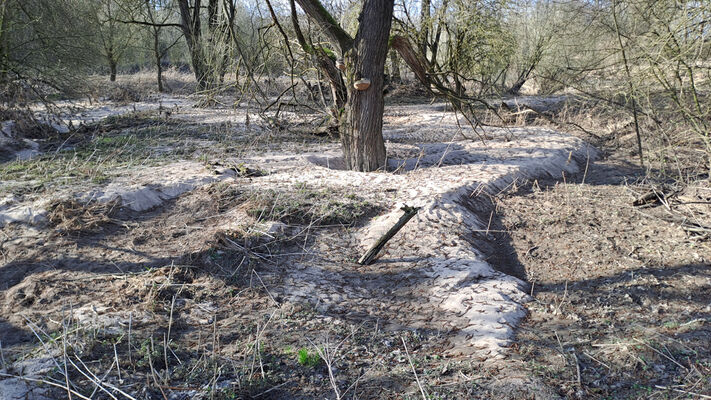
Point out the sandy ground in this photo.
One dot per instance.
(174, 248)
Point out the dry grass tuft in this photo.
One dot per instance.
(143, 85)
(74, 217)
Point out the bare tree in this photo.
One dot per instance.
(45, 46)
(362, 64)
(152, 7)
(207, 49)
(114, 37)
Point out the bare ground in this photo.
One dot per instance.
(623, 293)
(204, 297)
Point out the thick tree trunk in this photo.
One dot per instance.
(192, 31)
(362, 122)
(199, 68)
(197, 59)
(361, 117)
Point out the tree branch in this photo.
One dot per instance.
(316, 10)
(153, 24)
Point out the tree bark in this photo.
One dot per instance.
(112, 70)
(395, 64)
(361, 120)
(362, 123)
(159, 75)
(413, 59)
(192, 31)
(425, 21)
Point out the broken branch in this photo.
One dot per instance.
(369, 256)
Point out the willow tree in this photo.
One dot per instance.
(361, 62)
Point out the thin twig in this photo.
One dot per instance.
(424, 395)
(118, 367)
(128, 396)
(94, 381)
(661, 354)
(153, 371)
(703, 396)
(577, 368)
(273, 388)
(50, 383)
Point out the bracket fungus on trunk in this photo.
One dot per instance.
(340, 64)
(362, 84)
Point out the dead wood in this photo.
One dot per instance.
(655, 196)
(369, 256)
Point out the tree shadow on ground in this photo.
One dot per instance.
(495, 243)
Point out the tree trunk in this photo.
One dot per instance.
(157, 54)
(515, 89)
(112, 69)
(361, 117)
(416, 61)
(192, 31)
(3, 44)
(199, 68)
(395, 64)
(328, 68)
(425, 20)
(362, 123)
(532, 64)
(159, 76)
(230, 14)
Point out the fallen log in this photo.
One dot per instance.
(369, 256)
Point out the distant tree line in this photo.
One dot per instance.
(648, 57)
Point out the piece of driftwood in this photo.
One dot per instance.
(369, 256)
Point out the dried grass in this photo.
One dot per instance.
(142, 85)
(74, 217)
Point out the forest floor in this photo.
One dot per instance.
(181, 252)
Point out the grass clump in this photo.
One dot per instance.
(307, 205)
(308, 359)
(71, 216)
